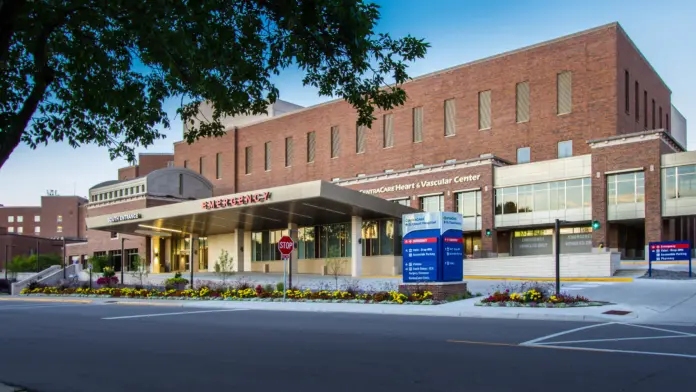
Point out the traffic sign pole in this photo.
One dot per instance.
(285, 276)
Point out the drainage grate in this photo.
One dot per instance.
(617, 312)
(110, 302)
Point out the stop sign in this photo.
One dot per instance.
(285, 245)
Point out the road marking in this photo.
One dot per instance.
(571, 348)
(172, 305)
(534, 341)
(171, 314)
(656, 329)
(79, 301)
(37, 306)
(618, 339)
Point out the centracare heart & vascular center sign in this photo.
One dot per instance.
(422, 184)
(252, 198)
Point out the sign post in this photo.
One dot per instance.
(285, 247)
(669, 251)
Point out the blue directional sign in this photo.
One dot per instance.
(432, 247)
(670, 251)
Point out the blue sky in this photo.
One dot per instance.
(458, 30)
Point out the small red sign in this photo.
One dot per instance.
(286, 245)
(237, 201)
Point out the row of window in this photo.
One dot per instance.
(37, 229)
(656, 118)
(549, 196)
(111, 195)
(679, 182)
(564, 150)
(522, 91)
(380, 238)
(37, 218)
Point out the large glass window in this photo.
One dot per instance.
(312, 242)
(381, 237)
(686, 186)
(559, 195)
(565, 149)
(434, 203)
(626, 188)
(468, 204)
(670, 183)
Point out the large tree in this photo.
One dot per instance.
(98, 71)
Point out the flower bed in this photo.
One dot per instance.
(535, 298)
(242, 294)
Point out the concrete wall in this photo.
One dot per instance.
(677, 127)
(574, 265)
(218, 243)
(371, 266)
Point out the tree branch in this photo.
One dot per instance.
(8, 15)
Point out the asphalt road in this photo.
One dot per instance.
(51, 347)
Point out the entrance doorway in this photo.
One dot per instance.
(628, 237)
(472, 245)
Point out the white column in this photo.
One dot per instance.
(239, 249)
(292, 228)
(247, 251)
(155, 255)
(355, 246)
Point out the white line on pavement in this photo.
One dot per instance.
(657, 329)
(616, 339)
(38, 306)
(533, 341)
(171, 314)
(606, 350)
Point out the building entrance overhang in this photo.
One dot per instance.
(303, 204)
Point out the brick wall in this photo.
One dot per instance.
(623, 157)
(631, 60)
(147, 163)
(27, 214)
(67, 207)
(592, 57)
(128, 173)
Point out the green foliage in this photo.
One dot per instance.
(99, 263)
(280, 286)
(224, 266)
(24, 263)
(86, 71)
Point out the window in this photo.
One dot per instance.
(267, 156)
(10, 229)
(680, 182)
(645, 109)
(335, 142)
(660, 117)
(142, 188)
(20, 230)
(417, 125)
(200, 165)
(59, 219)
(484, 110)
(637, 100)
(120, 192)
(185, 164)
(247, 159)
(434, 203)
(288, 151)
(37, 230)
(388, 131)
(522, 99)
(468, 204)
(450, 113)
(653, 114)
(37, 218)
(20, 218)
(311, 146)
(218, 166)
(565, 149)
(380, 237)
(181, 183)
(404, 202)
(564, 91)
(59, 229)
(523, 155)
(550, 196)
(625, 188)
(627, 98)
(360, 140)
(113, 235)
(10, 219)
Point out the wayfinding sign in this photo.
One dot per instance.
(669, 251)
(433, 249)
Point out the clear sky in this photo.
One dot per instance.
(458, 30)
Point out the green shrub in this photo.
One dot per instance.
(280, 286)
(99, 262)
(23, 263)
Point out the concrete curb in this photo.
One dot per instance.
(54, 300)
(522, 278)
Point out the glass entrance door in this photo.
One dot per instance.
(472, 245)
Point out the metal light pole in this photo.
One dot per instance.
(64, 263)
(191, 258)
(557, 238)
(122, 257)
(7, 255)
(38, 253)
